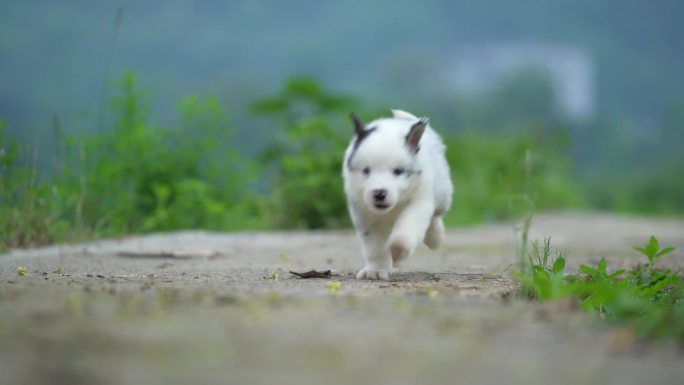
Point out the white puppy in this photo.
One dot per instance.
(398, 187)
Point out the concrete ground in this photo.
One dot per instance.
(197, 307)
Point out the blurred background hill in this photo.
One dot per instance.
(590, 93)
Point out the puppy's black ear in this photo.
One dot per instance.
(415, 133)
(359, 129)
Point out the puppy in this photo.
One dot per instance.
(398, 188)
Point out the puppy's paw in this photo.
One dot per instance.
(434, 234)
(373, 274)
(399, 249)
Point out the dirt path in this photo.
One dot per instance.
(199, 308)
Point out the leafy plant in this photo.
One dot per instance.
(545, 277)
(653, 251)
(599, 273)
(649, 300)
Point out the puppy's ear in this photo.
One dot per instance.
(400, 114)
(359, 129)
(415, 133)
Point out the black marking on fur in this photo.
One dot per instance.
(415, 133)
(361, 135)
(411, 172)
(359, 127)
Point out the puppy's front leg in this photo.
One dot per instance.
(409, 230)
(377, 258)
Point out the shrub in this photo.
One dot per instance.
(305, 161)
(143, 178)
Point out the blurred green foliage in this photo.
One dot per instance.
(492, 172)
(142, 178)
(134, 178)
(27, 207)
(138, 177)
(304, 162)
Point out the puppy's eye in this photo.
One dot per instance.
(366, 171)
(398, 171)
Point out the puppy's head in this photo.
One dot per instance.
(382, 161)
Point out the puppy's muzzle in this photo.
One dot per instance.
(379, 198)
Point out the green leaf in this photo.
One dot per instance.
(602, 265)
(664, 251)
(652, 247)
(617, 273)
(588, 270)
(641, 250)
(558, 266)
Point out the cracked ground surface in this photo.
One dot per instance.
(197, 307)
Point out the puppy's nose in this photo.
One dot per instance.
(380, 194)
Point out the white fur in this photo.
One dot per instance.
(416, 202)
